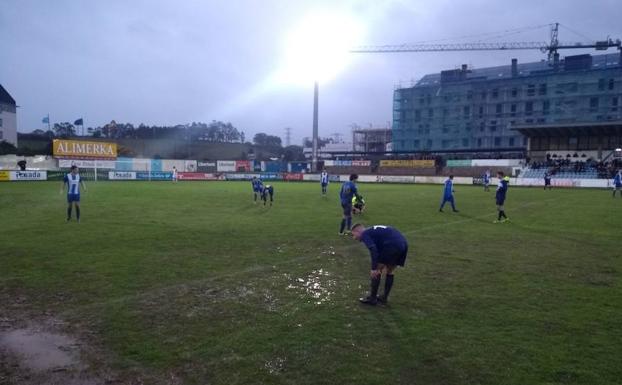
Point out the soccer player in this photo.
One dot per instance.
(486, 178)
(267, 190)
(448, 194)
(617, 183)
(324, 181)
(388, 249)
(257, 187)
(73, 182)
(502, 189)
(348, 190)
(174, 174)
(547, 180)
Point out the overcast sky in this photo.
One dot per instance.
(168, 62)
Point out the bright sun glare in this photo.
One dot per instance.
(318, 48)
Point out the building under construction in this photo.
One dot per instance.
(572, 104)
(372, 139)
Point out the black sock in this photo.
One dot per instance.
(388, 284)
(69, 212)
(499, 216)
(375, 282)
(78, 212)
(348, 223)
(343, 225)
(503, 214)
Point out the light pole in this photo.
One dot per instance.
(315, 124)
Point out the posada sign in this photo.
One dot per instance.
(79, 149)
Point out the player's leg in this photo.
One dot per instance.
(347, 218)
(271, 198)
(77, 204)
(442, 204)
(453, 204)
(69, 205)
(372, 298)
(388, 283)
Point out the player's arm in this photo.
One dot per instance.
(374, 254)
(62, 185)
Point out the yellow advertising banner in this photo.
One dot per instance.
(84, 149)
(5, 176)
(407, 163)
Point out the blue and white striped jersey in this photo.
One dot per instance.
(324, 178)
(73, 183)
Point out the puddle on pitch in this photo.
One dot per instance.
(275, 366)
(317, 286)
(40, 351)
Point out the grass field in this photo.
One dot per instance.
(192, 283)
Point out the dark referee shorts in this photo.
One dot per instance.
(500, 202)
(393, 255)
(347, 209)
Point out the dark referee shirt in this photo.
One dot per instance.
(378, 238)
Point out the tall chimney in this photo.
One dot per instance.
(514, 68)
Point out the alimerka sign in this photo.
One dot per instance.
(84, 149)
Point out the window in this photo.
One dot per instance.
(445, 112)
(421, 100)
(465, 142)
(593, 104)
(511, 142)
(466, 111)
(493, 125)
(513, 110)
(479, 142)
(429, 143)
(0, 135)
(542, 89)
(446, 143)
(499, 109)
(546, 107)
(514, 92)
(601, 84)
(614, 106)
(416, 144)
(531, 89)
(481, 127)
(469, 95)
(495, 93)
(430, 113)
(483, 95)
(497, 141)
(445, 129)
(529, 108)
(0, 122)
(481, 112)
(468, 126)
(417, 115)
(611, 84)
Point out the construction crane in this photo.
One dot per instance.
(550, 47)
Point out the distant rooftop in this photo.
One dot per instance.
(5, 97)
(523, 70)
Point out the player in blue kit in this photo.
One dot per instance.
(502, 189)
(486, 180)
(388, 249)
(324, 181)
(257, 188)
(617, 183)
(448, 194)
(73, 182)
(348, 190)
(268, 190)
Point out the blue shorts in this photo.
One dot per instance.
(73, 198)
(500, 202)
(324, 184)
(347, 209)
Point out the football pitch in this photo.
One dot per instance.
(192, 283)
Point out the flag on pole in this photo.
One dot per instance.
(79, 122)
(45, 120)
